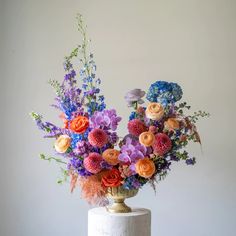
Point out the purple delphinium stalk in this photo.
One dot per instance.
(51, 129)
(83, 148)
(77, 165)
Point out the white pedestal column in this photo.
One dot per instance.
(103, 223)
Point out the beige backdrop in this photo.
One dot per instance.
(191, 42)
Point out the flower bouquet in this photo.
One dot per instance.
(87, 145)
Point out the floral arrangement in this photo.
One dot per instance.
(87, 145)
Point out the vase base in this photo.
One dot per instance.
(119, 208)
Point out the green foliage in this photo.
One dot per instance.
(64, 177)
(196, 115)
(162, 175)
(58, 160)
(35, 116)
(57, 87)
(182, 155)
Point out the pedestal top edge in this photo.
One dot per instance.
(135, 212)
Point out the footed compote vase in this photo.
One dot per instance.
(119, 194)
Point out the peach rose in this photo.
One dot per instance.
(62, 143)
(79, 124)
(154, 111)
(172, 124)
(147, 138)
(111, 156)
(145, 167)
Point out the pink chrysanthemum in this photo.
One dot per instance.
(98, 138)
(136, 127)
(92, 163)
(162, 144)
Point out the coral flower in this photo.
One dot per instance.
(98, 138)
(79, 124)
(154, 111)
(65, 121)
(145, 167)
(153, 129)
(147, 138)
(172, 124)
(112, 178)
(136, 127)
(62, 143)
(92, 163)
(162, 144)
(111, 156)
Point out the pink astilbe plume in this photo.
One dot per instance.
(73, 182)
(92, 190)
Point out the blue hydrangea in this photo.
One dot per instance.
(164, 92)
(176, 91)
(132, 115)
(75, 138)
(132, 183)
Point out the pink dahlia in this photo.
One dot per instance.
(162, 144)
(92, 163)
(136, 127)
(98, 138)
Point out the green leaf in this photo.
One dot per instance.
(58, 160)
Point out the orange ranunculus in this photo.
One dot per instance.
(79, 124)
(62, 143)
(145, 167)
(147, 138)
(172, 124)
(154, 111)
(112, 178)
(111, 156)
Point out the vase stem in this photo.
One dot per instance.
(119, 206)
(119, 194)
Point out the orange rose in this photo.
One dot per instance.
(112, 178)
(62, 143)
(172, 124)
(145, 167)
(79, 124)
(147, 138)
(154, 111)
(111, 156)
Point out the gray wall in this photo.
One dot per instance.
(135, 43)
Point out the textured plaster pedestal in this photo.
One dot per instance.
(103, 223)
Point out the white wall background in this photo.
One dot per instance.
(135, 43)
